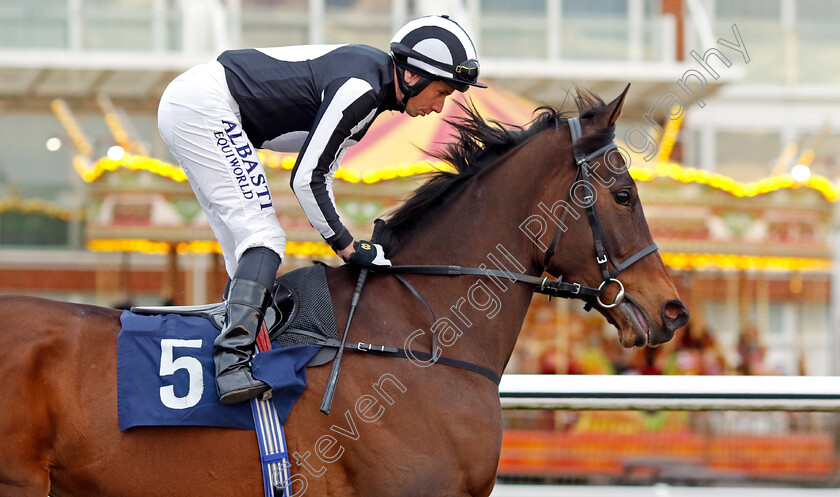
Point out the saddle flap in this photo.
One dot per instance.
(323, 356)
(284, 310)
(215, 313)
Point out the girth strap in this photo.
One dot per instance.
(402, 353)
(448, 361)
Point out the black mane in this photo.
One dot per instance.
(478, 145)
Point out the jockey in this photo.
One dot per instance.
(314, 100)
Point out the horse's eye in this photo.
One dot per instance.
(623, 197)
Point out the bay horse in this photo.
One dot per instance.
(396, 429)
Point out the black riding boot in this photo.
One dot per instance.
(232, 350)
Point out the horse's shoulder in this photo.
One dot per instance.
(340, 275)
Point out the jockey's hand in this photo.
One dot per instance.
(346, 252)
(369, 255)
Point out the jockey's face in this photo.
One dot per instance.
(431, 99)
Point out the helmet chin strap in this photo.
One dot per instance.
(407, 90)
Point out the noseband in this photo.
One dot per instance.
(602, 251)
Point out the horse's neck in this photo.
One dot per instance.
(487, 213)
(480, 229)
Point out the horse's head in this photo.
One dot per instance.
(601, 247)
(605, 215)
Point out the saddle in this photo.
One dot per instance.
(301, 312)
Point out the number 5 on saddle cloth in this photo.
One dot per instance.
(165, 372)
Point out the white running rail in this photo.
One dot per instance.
(679, 393)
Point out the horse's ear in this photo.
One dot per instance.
(613, 109)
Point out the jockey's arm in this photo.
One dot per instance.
(348, 108)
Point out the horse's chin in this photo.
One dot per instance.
(635, 328)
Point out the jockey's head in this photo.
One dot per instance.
(434, 48)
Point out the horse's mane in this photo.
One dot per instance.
(478, 144)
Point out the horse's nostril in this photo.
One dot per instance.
(674, 314)
(672, 310)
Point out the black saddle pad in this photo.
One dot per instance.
(311, 310)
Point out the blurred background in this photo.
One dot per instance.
(740, 192)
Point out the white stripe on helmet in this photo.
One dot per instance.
(432, 50)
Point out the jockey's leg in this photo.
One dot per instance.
(199, 121)
(248, 298)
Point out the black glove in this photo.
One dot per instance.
(369, 254)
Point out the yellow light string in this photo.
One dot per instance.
(294, 249)
(732, 262)
(116, 129)
(276, 160)
(807, 157)
(690, 175)
(669, 137)
(142, 246)
(92, 172)
(784, 159)
(40, 207)
(71, 126)
(115, 126)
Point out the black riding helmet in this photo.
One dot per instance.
(435, 48)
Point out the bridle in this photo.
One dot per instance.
(544, 285)
(602, 251)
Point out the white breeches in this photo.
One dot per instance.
(199, 121)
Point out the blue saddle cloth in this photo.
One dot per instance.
(166, 377)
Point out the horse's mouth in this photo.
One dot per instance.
(632, 323)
